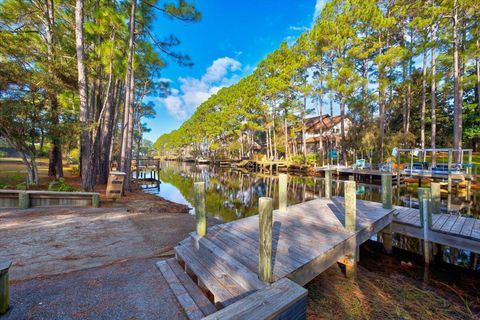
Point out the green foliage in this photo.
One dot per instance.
(73, 156)
(74, 170)
(366, 58)
(60, 185)
(21, 186)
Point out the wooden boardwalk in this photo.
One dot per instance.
(447, 229)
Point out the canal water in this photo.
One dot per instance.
(232, 194)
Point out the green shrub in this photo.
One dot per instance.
(73, 156)
(75, 170)
(60, 185)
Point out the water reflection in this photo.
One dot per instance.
(232, 194)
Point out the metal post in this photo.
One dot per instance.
(265, 209)
(199, 189)
(387, 190)
(282, 191)
(450, 171)
(4, 287)
(398, 176)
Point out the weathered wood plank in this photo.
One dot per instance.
(193, 290)
(268, 303)
(241, 274)
(204, 273)
(191, 309)
(438, 236)
(468, 227)
(458, 225)
(438, 224)
(449, 223)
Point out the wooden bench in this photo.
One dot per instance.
(36, 198)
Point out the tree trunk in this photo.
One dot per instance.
(55, 167)
(477, 64)
(107, 136)
(320, 129)
(342, 129)
(381, 103)
(285, 128)
(304, 139)
(434, 105)
(457, 101)
(424, 100)
(88, 180)
(126, 149)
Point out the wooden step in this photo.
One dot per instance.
(195, 304)
(240, 273)
(283, 300)
(211, 274)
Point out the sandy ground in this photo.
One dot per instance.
(87, 263)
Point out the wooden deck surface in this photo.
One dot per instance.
(447, 229)
(307, 239)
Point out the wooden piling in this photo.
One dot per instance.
(424, 196)
(265, 211)
(199, 200)
(328, 184)
(282, 191)
(350, 205)
(387, 190)
(4, 287)
(96, 200)
(23, 200)
(350, 261)
(436, 197)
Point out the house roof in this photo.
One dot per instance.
(326, 122)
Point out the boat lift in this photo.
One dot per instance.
(450, 173)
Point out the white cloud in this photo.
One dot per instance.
(297, 28)
(181, 103)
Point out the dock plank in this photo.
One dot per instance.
(195, 292)
(438, 224)
(269, 303)
(204, 273)
(449, 223)
(458, 225)
(191, 309)
(476, 229)
(468, 227)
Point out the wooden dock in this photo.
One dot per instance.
(307, 239)
(449, 230)
(290, 247)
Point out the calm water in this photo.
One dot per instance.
(233, 194)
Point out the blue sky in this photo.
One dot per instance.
(231, 38)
